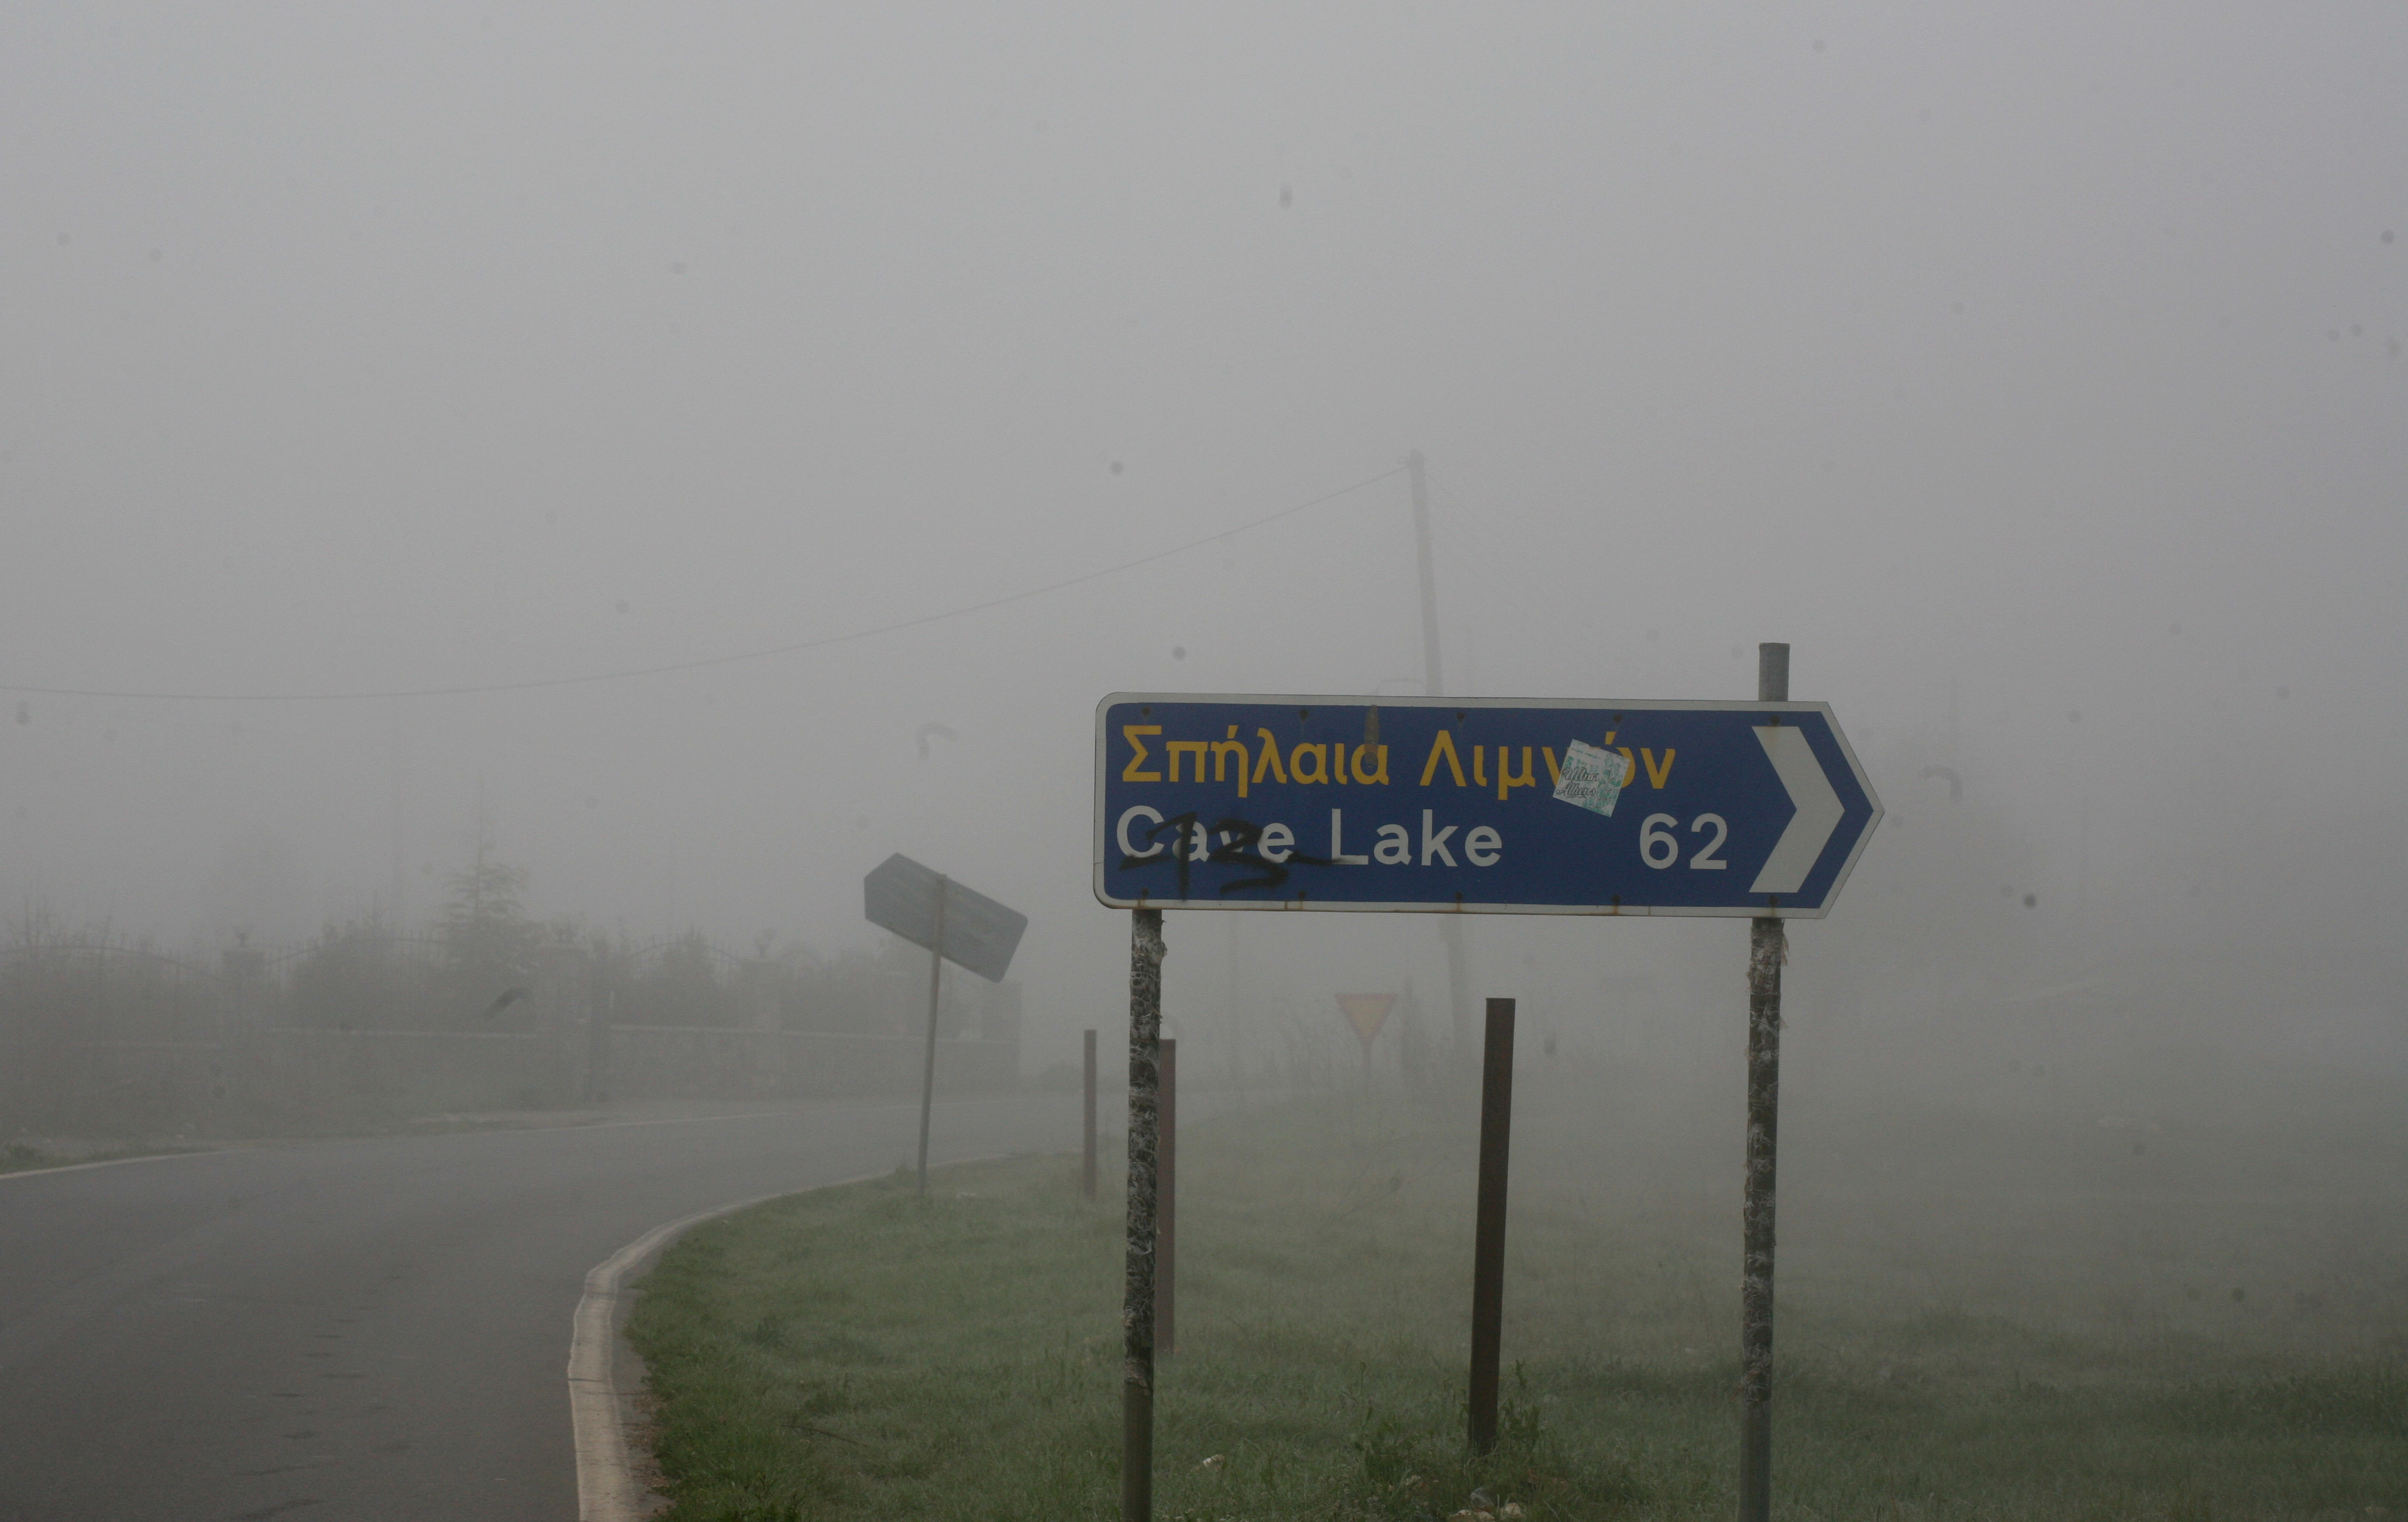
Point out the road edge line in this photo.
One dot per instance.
(118, 1162)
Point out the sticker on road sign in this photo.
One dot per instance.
(1592, 778)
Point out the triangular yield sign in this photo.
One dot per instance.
(1366, 1012)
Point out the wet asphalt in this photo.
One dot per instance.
(371, 1328)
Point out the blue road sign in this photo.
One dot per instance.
(1475, 805)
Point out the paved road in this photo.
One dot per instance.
(368, 1329)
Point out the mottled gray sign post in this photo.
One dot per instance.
(928, 909)
(1137, 1290)
(1766, 945)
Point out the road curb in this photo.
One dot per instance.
(607, 1487)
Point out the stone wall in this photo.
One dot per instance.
(687, 1062)
(299, 1079)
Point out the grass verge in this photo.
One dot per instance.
(858, 1353)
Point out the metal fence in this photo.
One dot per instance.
(100, 1037)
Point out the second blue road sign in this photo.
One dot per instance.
(1475, 805)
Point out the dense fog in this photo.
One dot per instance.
(717, 449)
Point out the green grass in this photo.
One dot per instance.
(858, 1353)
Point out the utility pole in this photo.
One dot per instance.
(476, 886)
(400, 842)
(1433, 685)
(1450, 929)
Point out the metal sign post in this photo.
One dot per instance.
(928, 909)
(1768, 945)
(1166, 1208)
(928, 1070)
(1136, 1288)
(1366, 1013)
(1488, 1230)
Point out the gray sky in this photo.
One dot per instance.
(2013, 363)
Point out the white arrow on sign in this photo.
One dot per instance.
(1819, 814)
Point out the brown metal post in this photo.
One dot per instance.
(1165, 1210)
(1087, 1161)
(1488, 1230)
(1768, 945)
(1137, 1289)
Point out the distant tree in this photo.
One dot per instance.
(488, 937)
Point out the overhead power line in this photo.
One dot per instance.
(707, 662)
